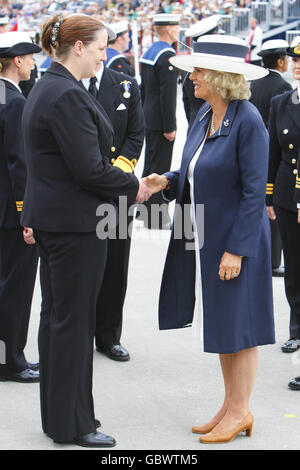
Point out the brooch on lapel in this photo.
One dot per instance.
(126, 85)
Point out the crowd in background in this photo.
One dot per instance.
(30, 14)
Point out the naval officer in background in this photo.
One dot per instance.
(18, 262)
(276, 60)
(119, 95)
(159, 93)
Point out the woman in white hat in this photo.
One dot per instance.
(228, 280)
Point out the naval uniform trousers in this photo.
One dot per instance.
(18, 265)
(290, 236)
(111, 299)
(276, 245)
(71, 271)
(158, 159)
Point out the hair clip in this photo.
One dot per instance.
(55, 30)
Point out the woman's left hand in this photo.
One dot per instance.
(230, 266)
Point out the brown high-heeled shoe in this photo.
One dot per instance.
(245, 425)
(204, 428)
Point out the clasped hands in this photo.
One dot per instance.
(150, 185)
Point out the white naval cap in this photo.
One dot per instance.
(207, 25)
(227, 5)
(15, 43)
(120, 27)
(163, 19)
(4, 20)
(274, 46)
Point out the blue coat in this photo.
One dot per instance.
(230, 180)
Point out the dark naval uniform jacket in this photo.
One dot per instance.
(118, 62)
(159, 87)
(12, 164)
(119, 95)
(284, 128)
(190, 102)
(72, 176)
(264, 89)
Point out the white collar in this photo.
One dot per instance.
(277, 71)
(86, 81)
(11, 81)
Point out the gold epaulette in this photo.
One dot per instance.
(297, 182)
(19, 205)
(270, 188)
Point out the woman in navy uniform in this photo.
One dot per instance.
(224, 167)
(284, 129)
(67, 136)
(119, 95)
(18, 262)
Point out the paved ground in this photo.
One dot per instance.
(169, 385)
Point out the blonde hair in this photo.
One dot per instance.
(5, 63)
(231, 86)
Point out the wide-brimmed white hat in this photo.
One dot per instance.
(221, 53)
(17, 43)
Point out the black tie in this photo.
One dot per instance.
(92, 87)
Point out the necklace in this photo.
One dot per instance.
(212, 125)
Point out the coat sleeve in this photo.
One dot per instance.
(297, 186)
(252, 157)
(168, 91)
(171, 193)
(75, 130)
(135, 132)
(14, 149)
(274, 152)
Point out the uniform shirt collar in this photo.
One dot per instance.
(99, 74)
(11, 81)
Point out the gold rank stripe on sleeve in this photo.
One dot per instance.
(19, 206)
(270, 188)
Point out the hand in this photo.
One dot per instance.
(155, 182)
(170, 136)
(144, 193)
(230, 266)
(28, 236)
(298, 216)
(271, 212)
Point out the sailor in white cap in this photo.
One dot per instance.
(116, 59)
(275, 59)
(192, 104)
(18, 263)
(4, 24)
(159, 92)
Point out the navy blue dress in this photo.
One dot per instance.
(230, 181)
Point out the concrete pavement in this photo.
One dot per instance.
(169, 385)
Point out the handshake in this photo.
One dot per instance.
(149, 185)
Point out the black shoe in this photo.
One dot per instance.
(33, 365)
(294, 384)
(95, 439)
(291, 345)
(114, 351)
(278, 272)
(25, 376)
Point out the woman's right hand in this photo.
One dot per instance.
(271, 212)
(156, 182)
